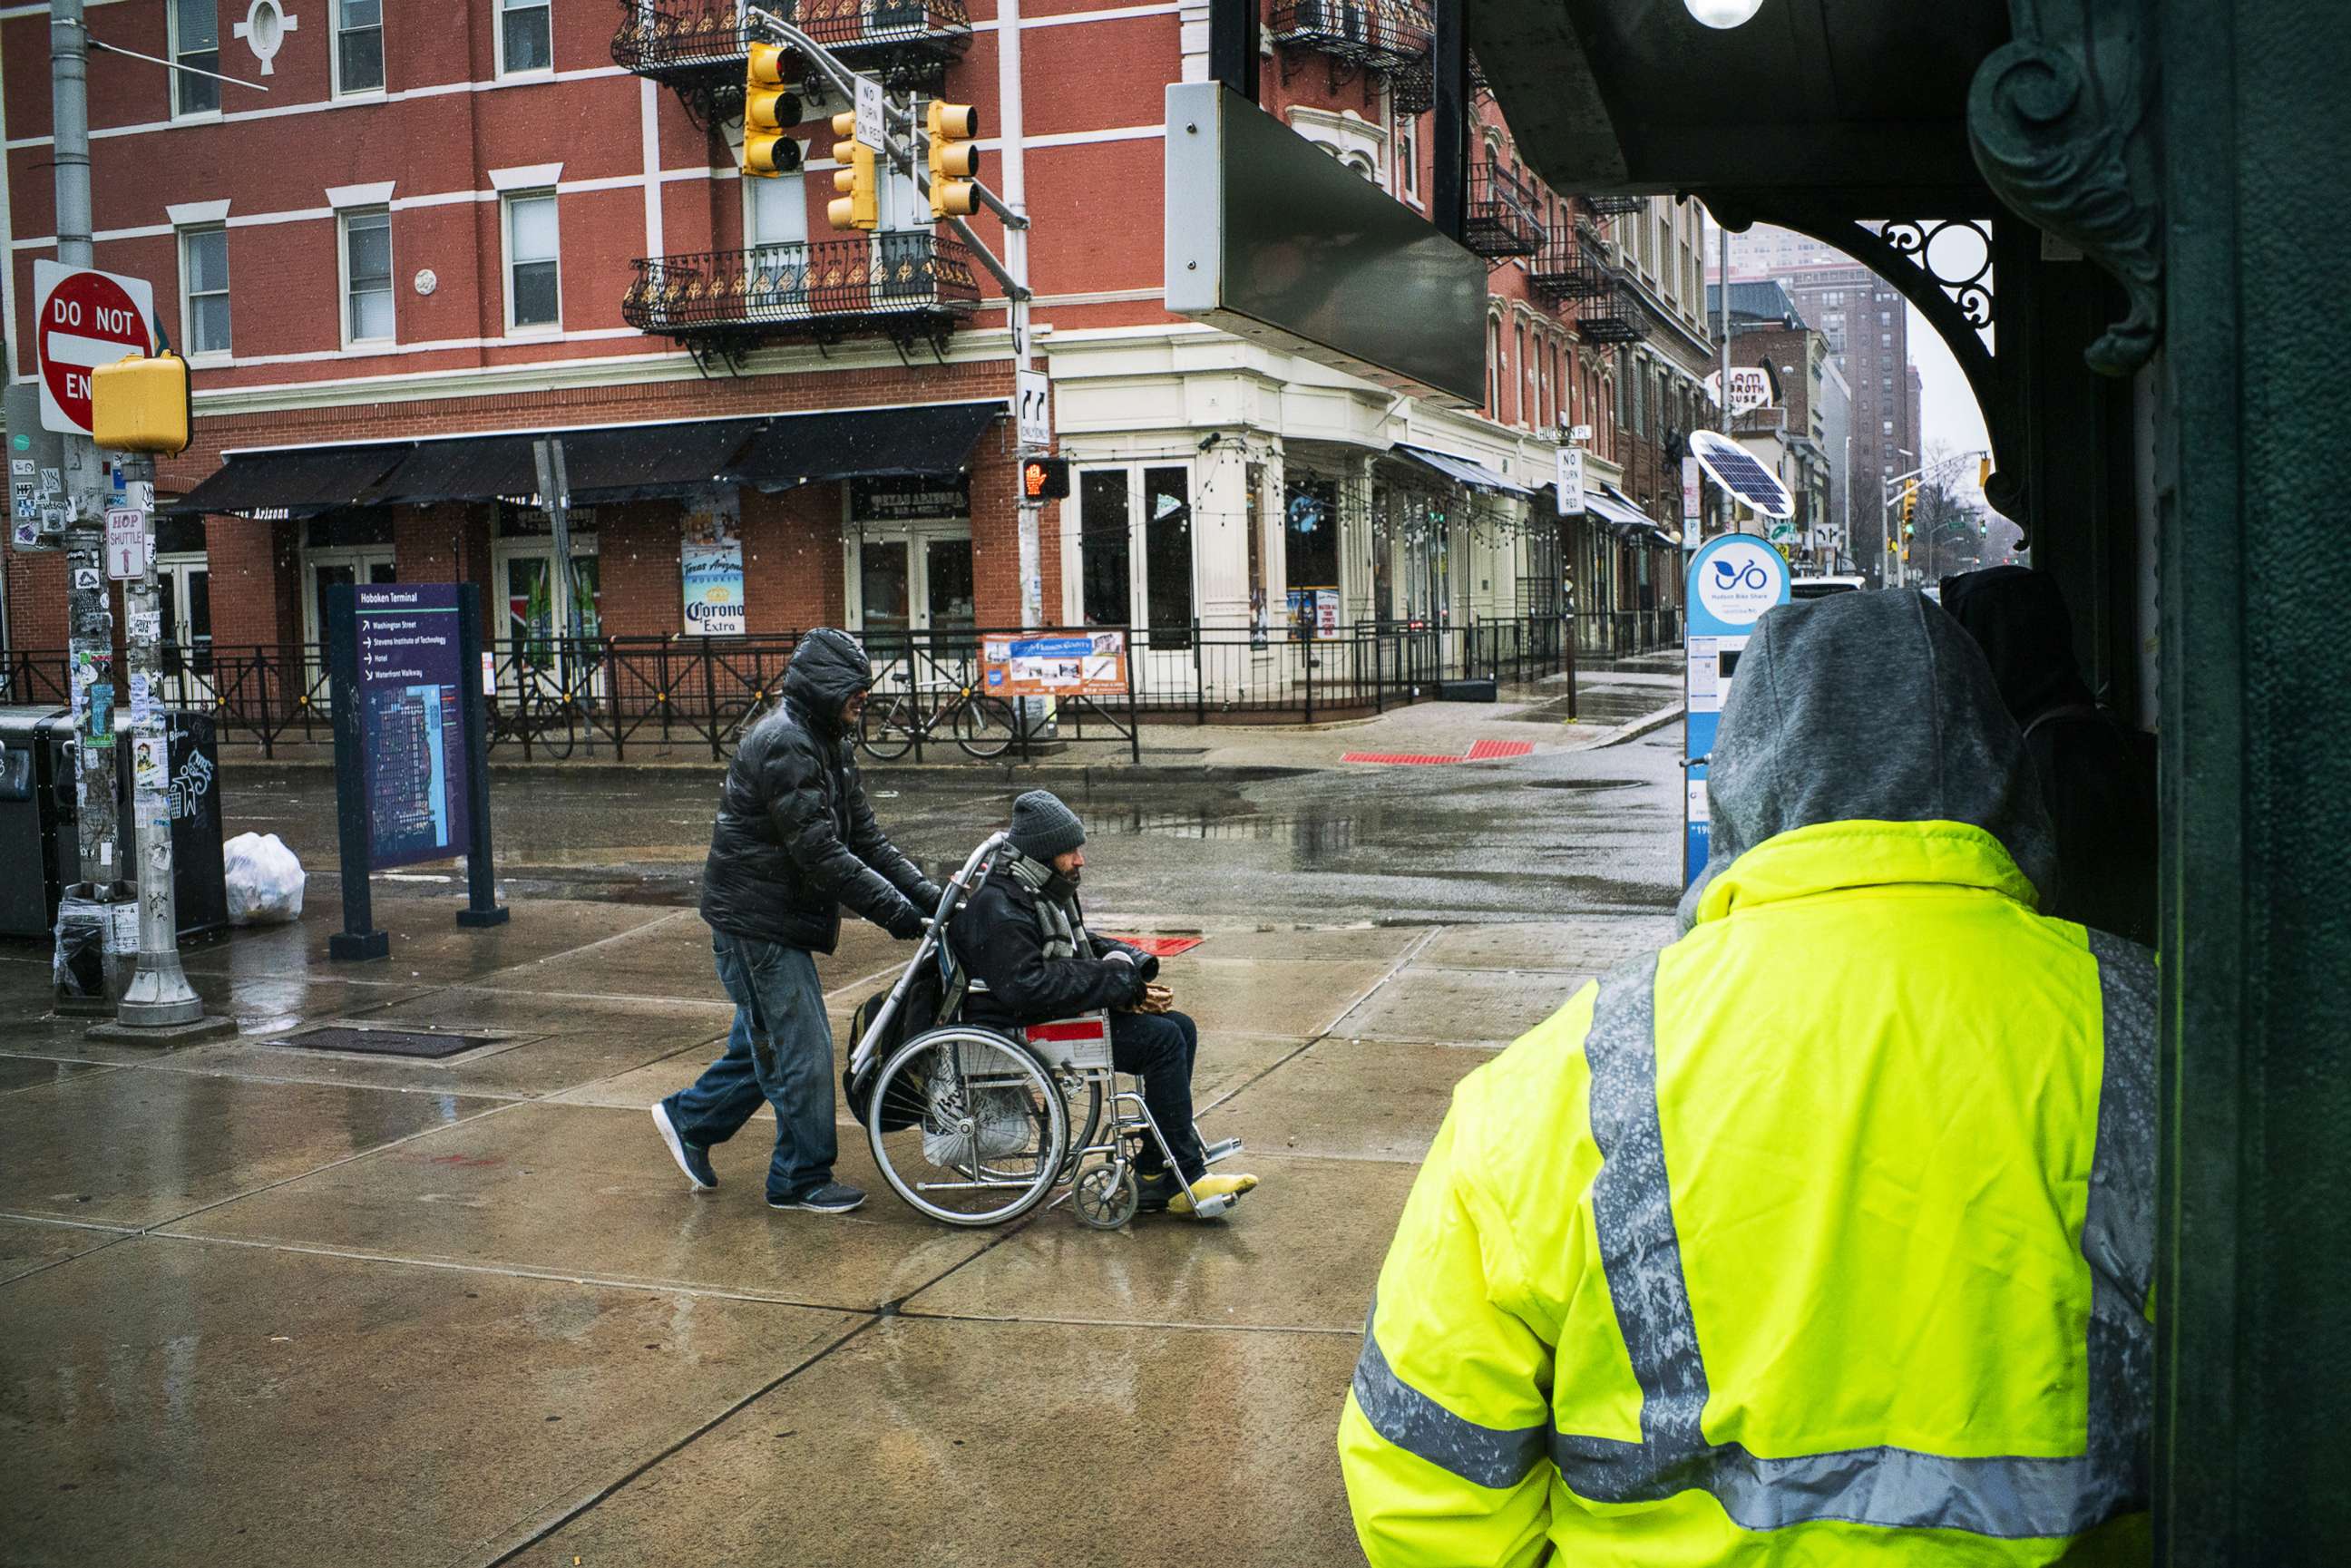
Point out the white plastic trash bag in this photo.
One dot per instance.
(264, 880)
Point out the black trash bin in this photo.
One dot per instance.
(37, 854)
(199, 872)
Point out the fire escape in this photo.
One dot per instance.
(1503, 217)
(909, 285)
(1387, 37)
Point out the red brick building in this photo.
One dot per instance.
(448, 230)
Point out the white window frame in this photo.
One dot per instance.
(343, 274)
(498, 38)
(335, 31)
(187, 316)
(507, 261)
(171, 49)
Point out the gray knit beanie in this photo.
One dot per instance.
(1042, 827)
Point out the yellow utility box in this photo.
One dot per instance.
(141, 405)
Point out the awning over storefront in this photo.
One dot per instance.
(1465, 471)
(297, 484)
(1617, 513)
(605, 464)
(933, 440)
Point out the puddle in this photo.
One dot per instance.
(1583, 784)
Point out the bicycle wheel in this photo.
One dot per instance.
(556, 726)
(986, 1130)
(983, 725)
(886, 729)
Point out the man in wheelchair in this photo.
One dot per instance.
(1023, 938)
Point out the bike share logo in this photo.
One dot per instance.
(1740, 581)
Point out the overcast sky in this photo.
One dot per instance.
(1948, 415)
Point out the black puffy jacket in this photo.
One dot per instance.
(998, 939)
(795, 838)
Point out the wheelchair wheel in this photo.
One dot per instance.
(985, 1129)
(1106, 1196)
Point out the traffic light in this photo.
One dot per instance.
(141, 405)
(859, 205)
(1983, 472)
(1909, 504)
(1045, 478)
(955, 162)
(770, 111)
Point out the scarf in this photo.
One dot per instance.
(1058, 919)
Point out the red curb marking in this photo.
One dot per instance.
(1489, 750)
(1162, 946)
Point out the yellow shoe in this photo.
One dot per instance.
(1210, 1187)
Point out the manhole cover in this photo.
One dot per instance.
(389, 1041)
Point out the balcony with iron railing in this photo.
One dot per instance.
(1615, 206)
(910, 287)
(1376, 35)
(700, 47)
(1613, 316)
(1573, 264)
(1503, 217)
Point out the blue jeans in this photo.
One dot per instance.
(780, 1050)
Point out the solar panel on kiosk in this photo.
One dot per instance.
(1738, 472)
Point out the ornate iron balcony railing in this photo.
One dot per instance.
(907, 285)
(1504, 218)
(703, 44)
(1377, 35)
(1617, 207)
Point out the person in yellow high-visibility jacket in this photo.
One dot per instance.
(1823, 1235)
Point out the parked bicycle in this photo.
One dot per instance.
(543, 717)
(893, 721)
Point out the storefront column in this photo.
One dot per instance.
(1221, 521)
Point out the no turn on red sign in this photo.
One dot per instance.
(87, 318)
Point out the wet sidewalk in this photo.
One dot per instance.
(266, 1304)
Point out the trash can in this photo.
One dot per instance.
(199, 874)
(37, 816)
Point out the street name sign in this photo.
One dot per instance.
(85, 318)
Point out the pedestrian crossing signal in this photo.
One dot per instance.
(1045, 478)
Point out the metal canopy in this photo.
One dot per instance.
(605, 464)
(1855, 97)
(1463, 471)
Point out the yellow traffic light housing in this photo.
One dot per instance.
(141, 405)
(859, 205)
(770, 111)
(1983, 472)
(954, 160)
(1909, 501)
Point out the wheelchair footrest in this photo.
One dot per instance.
(1224, 1149)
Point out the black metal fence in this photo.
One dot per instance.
(605, 696)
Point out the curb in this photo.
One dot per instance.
(1645, 725)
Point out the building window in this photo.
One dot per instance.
(1167, 555)
(1105, 550)
(1408, 154)
(534, 291)
(195, 41)
(367, 276)
(1493, 368)
(777, 211)
(204, 291)
(525, 37)
(358, 46)
(1526, 376)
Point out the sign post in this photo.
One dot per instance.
(1732, 581)
(411, 765)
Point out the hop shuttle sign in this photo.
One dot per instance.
(87, 318)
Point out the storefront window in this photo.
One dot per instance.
(1167, 555)
(532, 619)
(1310, 545)
(882, 586)
(953, 604)
(1105, 547)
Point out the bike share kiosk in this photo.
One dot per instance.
(1733, 579)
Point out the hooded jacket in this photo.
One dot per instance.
(795, 838)
(2097, 775)
(1824, 1235)
(999, 939)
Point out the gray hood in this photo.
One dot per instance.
(1871, 706)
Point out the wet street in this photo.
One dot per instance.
(261, 1302)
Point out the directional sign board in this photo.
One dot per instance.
(1034, 407)
(1734, 468)
(1732, 581)
(85, 318)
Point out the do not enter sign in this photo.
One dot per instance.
(87, 318)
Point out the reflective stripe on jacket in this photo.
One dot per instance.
(1823, 1235)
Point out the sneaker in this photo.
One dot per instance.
(694, 1161)
(832, 1198)
(1210, 1186)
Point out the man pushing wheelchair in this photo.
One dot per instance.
(1022, 939)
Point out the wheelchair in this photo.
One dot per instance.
(976, 1125)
